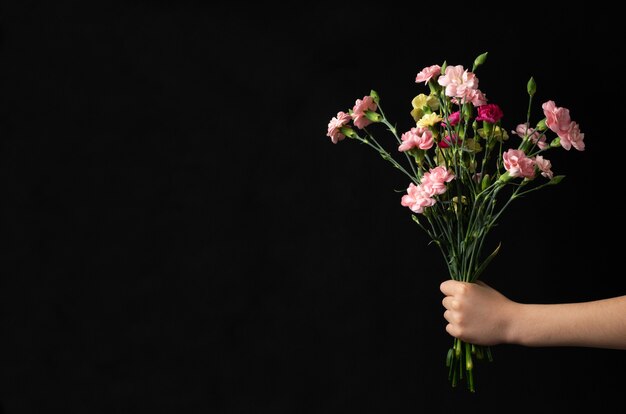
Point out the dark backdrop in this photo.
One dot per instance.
(178, 234)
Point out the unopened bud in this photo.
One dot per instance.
(479, 61)
(541, 125)
(556, 142)
(531, 86)
(556, 180)
(485, 182)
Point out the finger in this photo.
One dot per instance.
(451, 330)
(447, 315)
(450, 303)
(451, 287)
(481, 283)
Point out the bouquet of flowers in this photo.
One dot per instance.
(462, 176)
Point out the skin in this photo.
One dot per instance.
(479, 314)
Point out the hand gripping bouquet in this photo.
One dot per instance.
(463, 169)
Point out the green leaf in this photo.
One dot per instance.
(484, 264)
(531, 87)
(556, 180)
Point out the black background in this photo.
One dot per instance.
(178, 234)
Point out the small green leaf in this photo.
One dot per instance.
(487, 261)
(375, 96)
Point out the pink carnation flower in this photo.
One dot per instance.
(416, 199)
(335, 124)
(358, 112)
(476, 97)
(421, 138)
(427, 74)
(523, 131)
(434, 182)
(490, 113)
(518, 164)
(559, 121)
(573, 138)
(459, 82)
(545, 166)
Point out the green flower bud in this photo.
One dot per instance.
(556, 142)
(556, 180)
(541, 125)
(485, 182)
(531, 86)
(479, 61)
(444, 67)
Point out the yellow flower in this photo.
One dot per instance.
(473, 145)
(498, 133)
(420, 102)
(429, 120)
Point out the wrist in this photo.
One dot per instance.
(513, 326)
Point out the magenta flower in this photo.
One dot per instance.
(453, 118)
(490, 113)
(421, 138)
(427, 74)
(545, 166)
(448, 141)
(518, 164)
(335, 124)
(358, 112)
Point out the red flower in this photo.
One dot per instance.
(490, 113)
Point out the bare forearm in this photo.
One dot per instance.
(599, 324)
